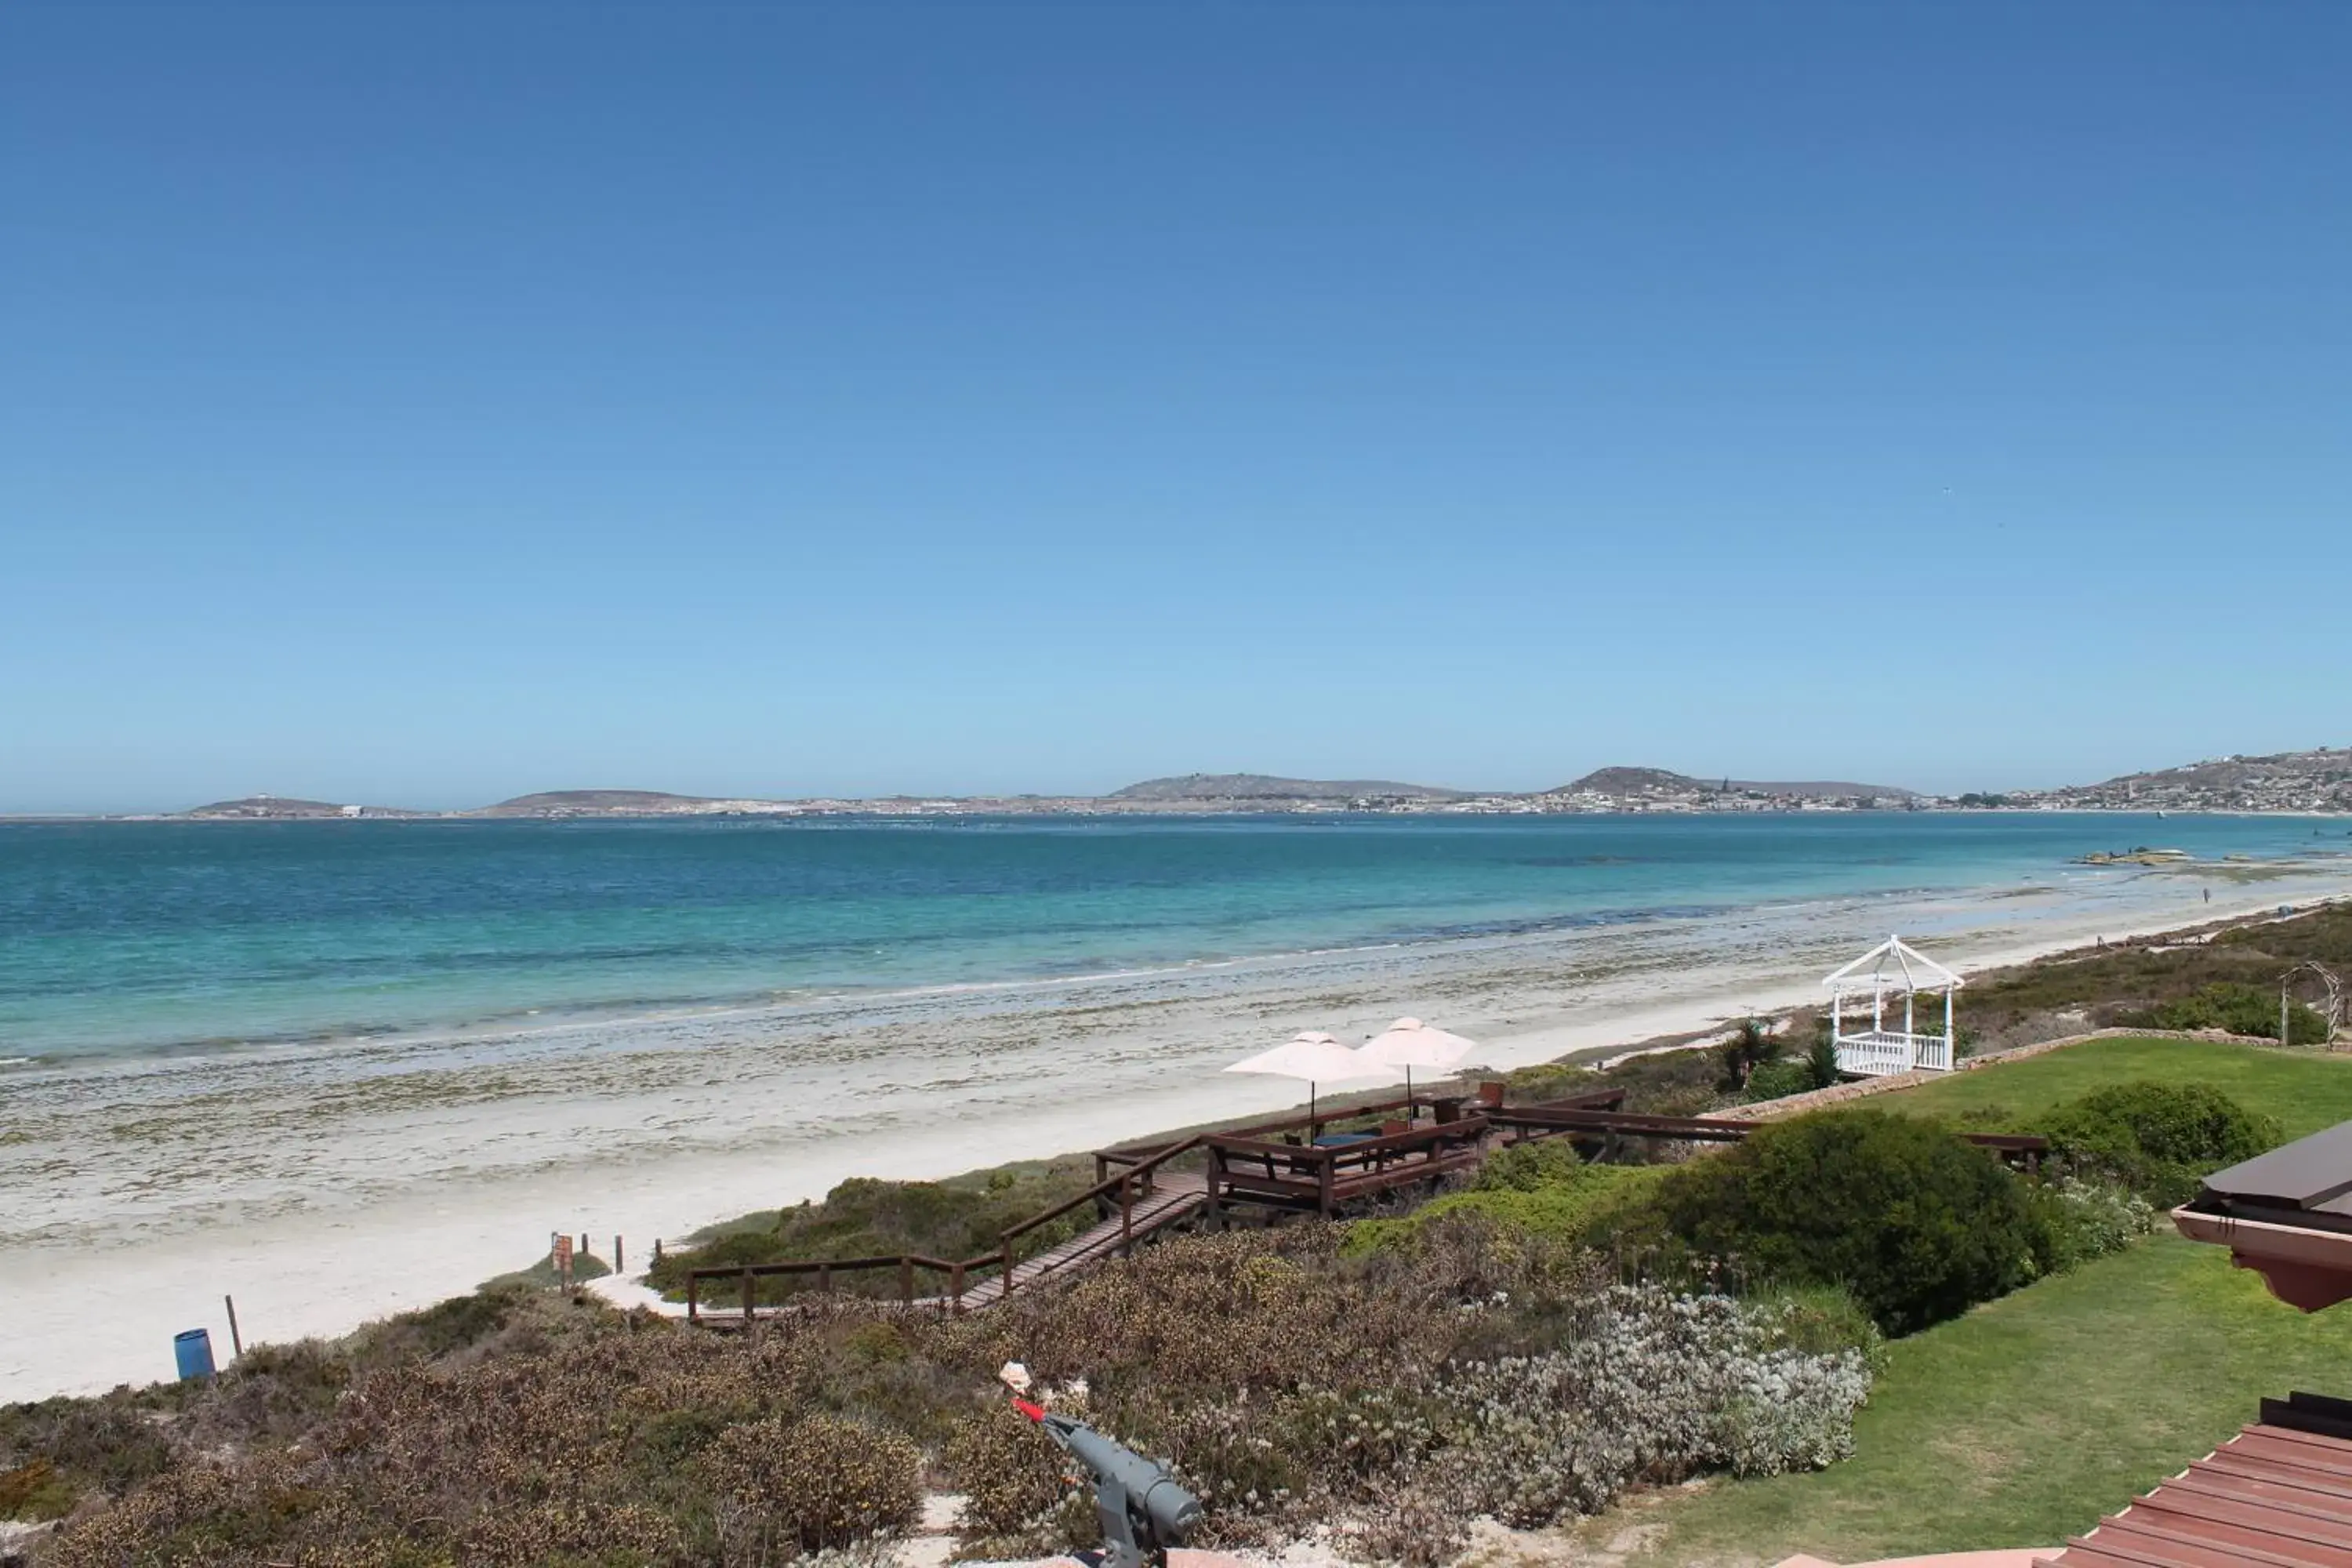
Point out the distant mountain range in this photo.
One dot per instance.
(1658, 783)
(1267, 787)
(2292, 781)
(2285, 781)
(596, 803)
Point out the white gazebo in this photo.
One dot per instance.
(1893, 968)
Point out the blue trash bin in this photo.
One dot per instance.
(194, 1349)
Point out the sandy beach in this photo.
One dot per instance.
(321, 1192)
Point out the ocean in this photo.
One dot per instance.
(164, 939)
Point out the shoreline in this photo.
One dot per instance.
(397, 1217)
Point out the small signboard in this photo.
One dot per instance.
(563, 1259)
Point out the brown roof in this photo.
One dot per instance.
(2269, 1495)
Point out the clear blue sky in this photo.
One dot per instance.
(424, 406)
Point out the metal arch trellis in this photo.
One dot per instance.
(2331, 1016)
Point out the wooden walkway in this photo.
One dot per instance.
(1258, 1174)
(1175, 1196)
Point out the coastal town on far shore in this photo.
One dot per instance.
(2313, 782)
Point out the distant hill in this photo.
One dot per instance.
(1658, 782)
(1265, 787)
(2285, 781)
(281, 808)
(592, 803)
(266, 805)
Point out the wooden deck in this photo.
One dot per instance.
(1256, 1174)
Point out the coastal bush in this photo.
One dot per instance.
(1821, 1061)
(1548, 1080)
(1654, 1387)
(35, 1492)
(1289, 1385)
(1778, 1081)
(2084, 1218)
(1752, 1045)
(1583, 1205)
(816, 1482)
(1524, 1167)
(1917, 1224)
(2239, 1009)
(2158, 1139)
(1018, 1496)
(110, 1444)
(865, 1218)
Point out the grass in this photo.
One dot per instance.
(2306, 1090)
(2027, 1420)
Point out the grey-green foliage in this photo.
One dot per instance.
(2084, 1218)
(1655, 1387)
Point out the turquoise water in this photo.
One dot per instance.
(137, 938)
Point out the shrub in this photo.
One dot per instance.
(36, 1492)
(817, 1482)
(1920, 1225)
(2158, 1139)
(1752, 1047)
(1778, 1081)
(1821, 1061)
(1818, 1320)
(1018, 1500)
(1586, 1205)
(2087, 1218)
(1524, 1167)
(1654, 1387)
(2238, 1008)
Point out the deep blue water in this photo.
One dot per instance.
(136, 937)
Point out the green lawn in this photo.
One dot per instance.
(2025, 1421)
(2306, 1090)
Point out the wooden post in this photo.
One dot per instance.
(907, 1280)
(618, 1268)
(236, 1343)
(955, 1287)
(1004, 1246)
(1323, 1183)
(693, 1299)
(1127, 1216)
(749, 1299)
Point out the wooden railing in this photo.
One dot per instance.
(1310, 1173)
(1132, 1181)
(826, 1270)
(1125, 1177)
(2016, 1148)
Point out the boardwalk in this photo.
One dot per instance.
(1262, 1176)
(1176, 1197)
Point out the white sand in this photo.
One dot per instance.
(325, 1189)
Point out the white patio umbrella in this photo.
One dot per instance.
(1317, 1058)
(1409, 1043)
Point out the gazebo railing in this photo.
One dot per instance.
(1877, 1053)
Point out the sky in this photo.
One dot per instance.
(422, 406)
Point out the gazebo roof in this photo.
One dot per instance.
(1911, 970)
